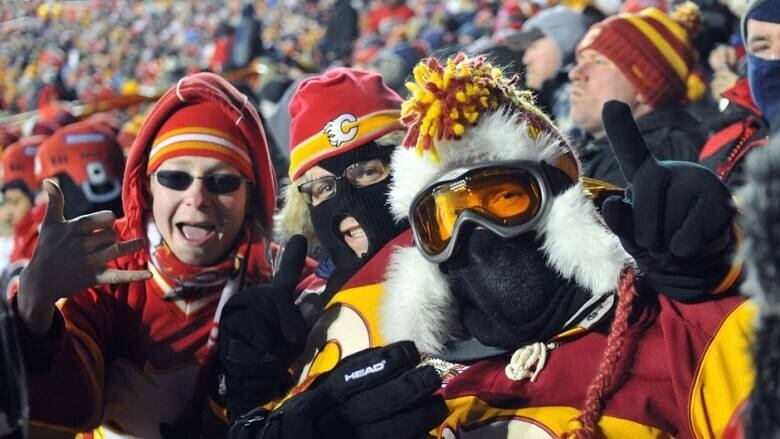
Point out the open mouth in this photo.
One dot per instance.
(196, 233)
(350, 228)
(354, 235)
(355, 232)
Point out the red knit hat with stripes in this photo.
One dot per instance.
(653, 50)
(336, 112)
(201, 130)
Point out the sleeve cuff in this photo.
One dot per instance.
(39, 351)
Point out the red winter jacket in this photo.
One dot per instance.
(125, 357)
(724, 152)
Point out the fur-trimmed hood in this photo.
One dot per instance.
(418, 304)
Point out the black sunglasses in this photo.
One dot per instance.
(217, 183)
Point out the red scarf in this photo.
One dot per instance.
(189, 281)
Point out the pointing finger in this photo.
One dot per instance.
(56, 205)
(625, 139)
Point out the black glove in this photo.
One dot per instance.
(676, 218)
(261, 332)
(373, 394)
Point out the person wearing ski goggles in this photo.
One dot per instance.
(507, 198)
(545, 316)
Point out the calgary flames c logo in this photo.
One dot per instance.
(341, 129)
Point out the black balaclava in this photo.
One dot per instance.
(367, 204)
(77, 204)
(509, 296)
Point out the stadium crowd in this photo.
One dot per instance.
(389, 218)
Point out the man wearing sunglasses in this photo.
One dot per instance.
(130, 350)
(345, 125)
(528, 305)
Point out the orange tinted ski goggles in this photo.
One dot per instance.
(508, 198)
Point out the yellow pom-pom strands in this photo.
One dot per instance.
(447, 99)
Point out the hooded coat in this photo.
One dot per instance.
(682, 368)
(123, 357)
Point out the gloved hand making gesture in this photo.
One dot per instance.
(373, 394)
(261, 332)
(676, 217)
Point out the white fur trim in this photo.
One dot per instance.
(417, 304)
(410, 174)
(579, 246)
(496, 137)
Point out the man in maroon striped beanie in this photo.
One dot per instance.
(645, 60)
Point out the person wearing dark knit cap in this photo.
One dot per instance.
(131, 351)
(645, 60)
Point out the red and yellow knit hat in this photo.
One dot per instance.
(653, 50)
(201, 130)
(336, 112)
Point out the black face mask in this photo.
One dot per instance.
(77, 204)
(368, 205)
(509, 296)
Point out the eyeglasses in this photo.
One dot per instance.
(508, 198)
(360, 174)
(217, 183)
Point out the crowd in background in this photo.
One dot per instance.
(94, 68)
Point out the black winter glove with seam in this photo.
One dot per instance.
(261, 333)
(676, 218)
(373, 394)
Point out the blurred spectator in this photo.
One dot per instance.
(19, 185)
(128, 133)
(247, 42)
(761, 31)
(8, 136)
(50, 119)
(395, 64)
(341, 32)
(724, 153)
(20, 192)
(87, 164)
(651, 72)
(549, 39)
(723, 61)
(386, 9)
(220, 58)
